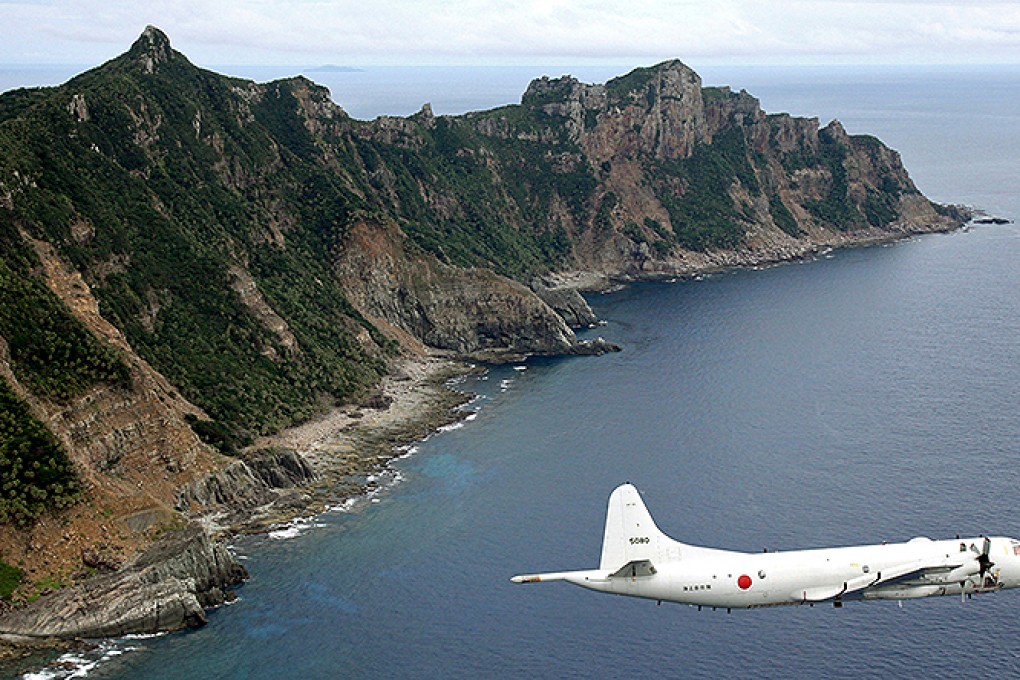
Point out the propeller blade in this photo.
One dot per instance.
(984, 562)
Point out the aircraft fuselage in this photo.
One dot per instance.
(744, 580)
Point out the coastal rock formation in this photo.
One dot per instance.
(567, 301)
(166, 588)
(472, 312)
(235, 491)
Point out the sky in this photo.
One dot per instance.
(484, 32)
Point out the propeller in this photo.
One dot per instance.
(984, 562)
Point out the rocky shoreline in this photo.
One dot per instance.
(761, 252)
(346, 446)
(296, 473)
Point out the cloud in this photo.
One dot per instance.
(471, 31)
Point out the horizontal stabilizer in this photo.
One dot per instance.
(634, 569)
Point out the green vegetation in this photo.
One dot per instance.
(278, 112)
(35, 474)
(662, 246)
(956, 212)
(881, 203)
(45, 585)
(549, 91)
(539, 161)
(632, 231)
(216, 434)
(451, 170)
(52, 353)
(835, 208)
(705, 216)
(453, 204)
(604, 216)
(881, 208)
(712, 95)
(632, 87)
(656, 226)
(180, 185)
(10, 578)
(782, 217)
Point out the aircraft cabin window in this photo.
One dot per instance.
(963, 547)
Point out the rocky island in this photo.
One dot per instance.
(224, 302)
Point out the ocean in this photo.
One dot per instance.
(867, 395)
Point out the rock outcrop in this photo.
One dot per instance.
(472, 312)
(235, 492)
(567, 301)
(166, 588)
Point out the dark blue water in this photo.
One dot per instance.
(866, 396)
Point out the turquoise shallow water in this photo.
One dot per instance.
(868, 395)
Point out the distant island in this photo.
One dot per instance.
(202, 276)
(334, 68)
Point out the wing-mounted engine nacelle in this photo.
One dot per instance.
(961, 573)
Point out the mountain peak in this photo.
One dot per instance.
(151, 49)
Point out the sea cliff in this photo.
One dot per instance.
(192, 265)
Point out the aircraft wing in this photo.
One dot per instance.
(887, 576)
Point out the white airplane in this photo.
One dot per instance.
(640, 561)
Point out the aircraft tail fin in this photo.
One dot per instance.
(631, 534)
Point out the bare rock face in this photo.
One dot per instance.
(655, 111)
(123, 432)
(472, 312)
(281, 468)
(237, 489)
(166, 588)
(131, 446)
(648, 175)
(567, 302)
(99, 556)
(234, 486)
(661, 105)
(152, 49)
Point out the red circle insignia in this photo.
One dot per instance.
(744, 582)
